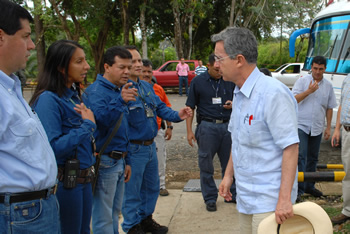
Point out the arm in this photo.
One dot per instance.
(284, 208)
(312, 88)
(327, 132)
(224, 187)
(336, 134)
(190, 135)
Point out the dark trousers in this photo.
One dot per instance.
(212, 139)
(183, 80)
(309, 147)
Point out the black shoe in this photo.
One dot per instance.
(232, 201)
(299, 198)
(150, 225)
(211, 206)
(314, 192)
(136, 230)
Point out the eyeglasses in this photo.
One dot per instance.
(218, 59)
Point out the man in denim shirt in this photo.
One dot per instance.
(263, 128)
(108, 100)
(28, 168)
(141, 193)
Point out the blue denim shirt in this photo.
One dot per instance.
(105, 101)
(68, 133)
(263, 123)
(142, 127)
(27, 160)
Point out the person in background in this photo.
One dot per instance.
(142, 191)
(182, 70)
(69, 125)
(316, 100)
(264, 133)
(108, 97)
(213, 98)
(200, 68)
(28, 167)
(265, 71)
(342, 128)
(164, 132)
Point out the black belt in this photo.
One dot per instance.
(347, 128)
(29, 196)
(146, 143)
(117, 155)
(217, 121)
(85, 176)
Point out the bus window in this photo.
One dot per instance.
(344, 61)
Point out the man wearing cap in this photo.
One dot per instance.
(28, 168)
(316, 100)
(343, 127)
(263, 128)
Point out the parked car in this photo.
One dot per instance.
(288, 73)
(166, 73)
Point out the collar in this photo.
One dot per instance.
(69, 93)
(9, 82)
(106, 82)
(249, 84)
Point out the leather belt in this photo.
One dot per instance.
(217, 121)
(117, 155)
(85, 176)
(146, 143)
(29, 196)
(347, 128)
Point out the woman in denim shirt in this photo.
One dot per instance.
(69, 125)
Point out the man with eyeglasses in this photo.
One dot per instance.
(213, 98)
(264, 131)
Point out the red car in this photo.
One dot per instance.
(166, 74)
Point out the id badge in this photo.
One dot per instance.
(149, 112)
(217, 100)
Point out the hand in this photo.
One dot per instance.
(191, 138)
(129, 94)
(313, 87)
(127, 173)
(85, 112)
(168, 134)
(185, 112)
(228, 105)
(327, 133)
(335, 138)
(224, 188)
(284, 210)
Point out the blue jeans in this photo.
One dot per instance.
(212, 139)
(141, 192)
(183, 80)
(75, 208)
(309, 147)
(35, 216)
(108, 197)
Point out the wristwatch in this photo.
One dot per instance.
(171, 127)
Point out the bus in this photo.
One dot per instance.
(329, 36)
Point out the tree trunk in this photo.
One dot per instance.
(177, 29)
(143, 30)
(190, 38)
(126, 21)
(232, 12)
(40, 39)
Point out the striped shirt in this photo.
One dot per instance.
(200, 69)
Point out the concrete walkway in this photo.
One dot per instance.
(185, 212)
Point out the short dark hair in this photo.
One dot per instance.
(131, 47)
(319, 60)
(10, 15)
(120, 51)
(265, 71)
(211, 59)
(147, 63)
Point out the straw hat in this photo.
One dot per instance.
(308, 218)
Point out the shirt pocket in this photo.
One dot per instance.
(136, 114)
(70, 123)
(258, 133)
